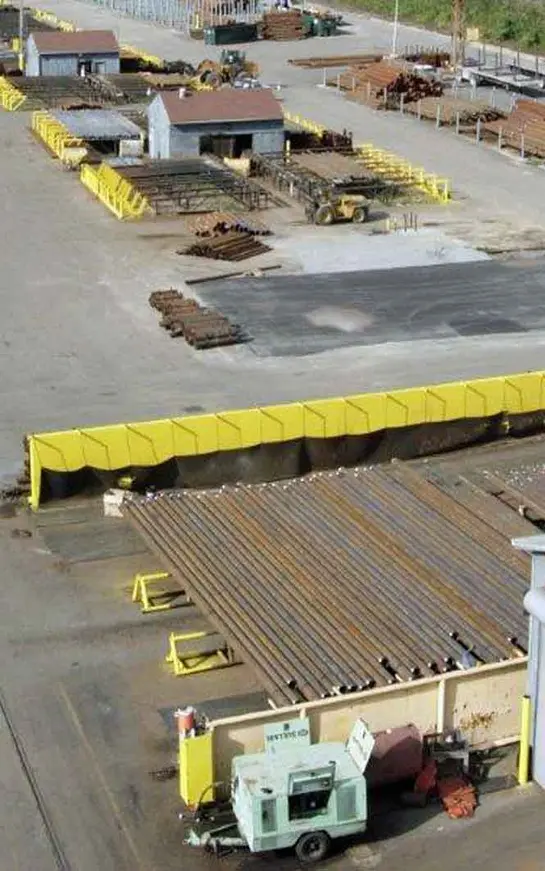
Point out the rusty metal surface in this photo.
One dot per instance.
(341, 581)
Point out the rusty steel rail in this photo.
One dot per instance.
(342, 581)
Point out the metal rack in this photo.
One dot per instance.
(186, 15)
(186, 186)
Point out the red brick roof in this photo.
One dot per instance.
(228, 104)
(77, 42)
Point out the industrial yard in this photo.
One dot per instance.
(272, 417)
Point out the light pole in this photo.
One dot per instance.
(21, 33)
(396, 25)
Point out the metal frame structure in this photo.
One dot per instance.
(185, 186)
(186, 15)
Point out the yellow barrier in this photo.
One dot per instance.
(70, 149)
(385, 163)
(150, 443)
(53, 20)
(11, 97)
(523, 772)
(114, 191)
(151, 59)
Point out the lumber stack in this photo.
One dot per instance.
(283, 25)
(523, 128)
(386, 83)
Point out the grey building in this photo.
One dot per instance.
(226, 123)
(58, 53)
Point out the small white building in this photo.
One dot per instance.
(226, 123)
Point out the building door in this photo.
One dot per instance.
(225, 146)
(99, 67)
(84, 68)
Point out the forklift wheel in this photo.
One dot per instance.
(312, 847)
(360, 215)
(324, 215)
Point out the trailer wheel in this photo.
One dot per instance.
(312, 847)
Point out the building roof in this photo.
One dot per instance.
(350, 578)
(226, 105)
(75, 42)
(93, 124)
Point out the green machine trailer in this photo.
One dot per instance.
(295, 794)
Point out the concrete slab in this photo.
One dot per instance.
(348, 249)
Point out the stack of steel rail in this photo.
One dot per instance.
(342, 581)
(336, 60)
(434, 57)
(283, 25)
(523, 129)
(234, 245)
(222, 222)
(200, 327)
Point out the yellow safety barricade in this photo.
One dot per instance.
(151, 59)
(114, 191)
(11, 97)
(70, 150)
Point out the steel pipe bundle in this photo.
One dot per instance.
(344, 580)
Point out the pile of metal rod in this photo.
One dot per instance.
(221, 222)
(341, 581)
(523, 128)
(201, 327)
(234, 246)
(283, 25)
(336, 60)
(433, 57)
(386, 84)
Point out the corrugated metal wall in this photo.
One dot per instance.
(268, 136)
(66, 64)
(159, 130)
(32, 66)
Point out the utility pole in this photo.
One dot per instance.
(396, 27)
(21, 34)
(458, 33)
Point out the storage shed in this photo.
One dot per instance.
(225, 123)
(59, 53)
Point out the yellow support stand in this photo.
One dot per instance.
(524, 749)
(141, 592)
(193, 661)
(70, 150)
(11, 98)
